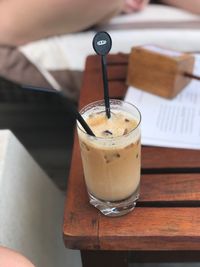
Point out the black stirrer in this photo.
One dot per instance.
(70, 105)
(192, 76)
(102, 44)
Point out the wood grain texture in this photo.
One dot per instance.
(182, 189)
(168, 158)
(157, 72)
(152, 229)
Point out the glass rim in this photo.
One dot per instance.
(110, 138)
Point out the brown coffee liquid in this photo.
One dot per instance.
(111, 162)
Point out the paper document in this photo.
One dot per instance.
(170, 123)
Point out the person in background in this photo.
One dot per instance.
(23, 21)
(10, 258)
(131, 6)
(192, 6)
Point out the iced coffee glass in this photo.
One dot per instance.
(112, 159)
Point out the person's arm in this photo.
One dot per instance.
(10, 258)
(134, 5)
(22, 21)
(189, 5)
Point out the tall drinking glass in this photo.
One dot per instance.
(112, 159)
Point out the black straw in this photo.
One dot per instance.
(70, 105)
(105, 86)
(192, 76)
(102, 44)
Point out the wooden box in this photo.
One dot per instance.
(159, 71)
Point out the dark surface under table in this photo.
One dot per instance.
(42, 124)
(165, 225)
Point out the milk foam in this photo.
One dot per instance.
(119, 130)
(119, 124)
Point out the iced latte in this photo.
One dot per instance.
(111, 159)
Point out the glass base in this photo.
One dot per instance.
(115, 208)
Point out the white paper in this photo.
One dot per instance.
(170, 123)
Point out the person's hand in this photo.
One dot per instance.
(134, 5)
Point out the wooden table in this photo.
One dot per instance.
(165, 225)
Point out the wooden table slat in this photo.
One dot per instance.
(152, 229)
(171, 188)
(170, 158)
